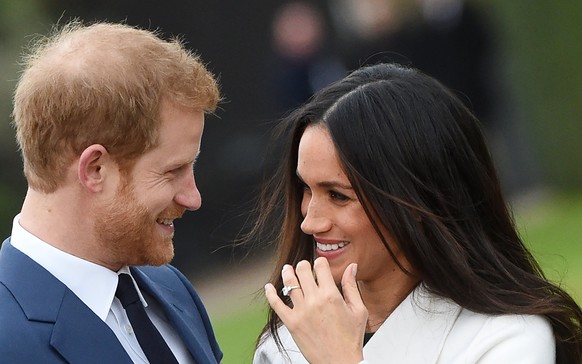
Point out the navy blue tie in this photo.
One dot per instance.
(151, 341)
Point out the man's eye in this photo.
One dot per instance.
(176, 170)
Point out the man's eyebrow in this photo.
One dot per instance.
(177, 163)
(327, 184)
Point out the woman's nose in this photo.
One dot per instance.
(315, 219)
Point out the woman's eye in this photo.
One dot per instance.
(338, 196)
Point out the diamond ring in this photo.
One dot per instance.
(288, 289)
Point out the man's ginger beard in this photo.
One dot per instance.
(129, 233)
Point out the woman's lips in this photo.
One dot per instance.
(330, 248)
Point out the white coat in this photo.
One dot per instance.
(427, 329)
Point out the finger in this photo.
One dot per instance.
(305, 276)
(350, 288)
(323, 273)
(280, 308)
(290, 280)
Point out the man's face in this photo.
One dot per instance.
(136, 227)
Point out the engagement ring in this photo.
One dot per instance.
(288, 289)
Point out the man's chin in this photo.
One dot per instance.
(157, 257)
(164, 257)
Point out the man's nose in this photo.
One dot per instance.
(188, 196)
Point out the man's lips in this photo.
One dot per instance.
(167, 225)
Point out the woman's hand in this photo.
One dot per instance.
(327, 327)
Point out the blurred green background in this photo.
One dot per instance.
(542, 54)
(539, 60)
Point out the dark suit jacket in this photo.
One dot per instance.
(42, 321)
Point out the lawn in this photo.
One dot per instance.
(551, 226)
(553, 231)
(236, 333)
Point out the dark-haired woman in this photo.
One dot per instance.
(388, 190)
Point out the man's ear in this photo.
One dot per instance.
(94, 163)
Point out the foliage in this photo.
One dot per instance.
(541, 59)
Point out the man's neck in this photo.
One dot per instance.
(56, 219)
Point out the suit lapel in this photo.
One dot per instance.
(82, 337)
(179, 314)
(78, 334)
(415, 332)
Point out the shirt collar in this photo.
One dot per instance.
(94, 284)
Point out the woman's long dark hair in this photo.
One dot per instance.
(418, 161)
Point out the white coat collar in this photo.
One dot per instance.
(415, 332)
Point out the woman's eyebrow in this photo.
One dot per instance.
(327, 184)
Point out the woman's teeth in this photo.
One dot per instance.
(326, 247)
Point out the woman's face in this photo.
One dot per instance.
(333, 215)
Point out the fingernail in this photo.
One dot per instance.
(285, 267)
(354, 269)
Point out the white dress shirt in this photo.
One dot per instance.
(95, 286)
